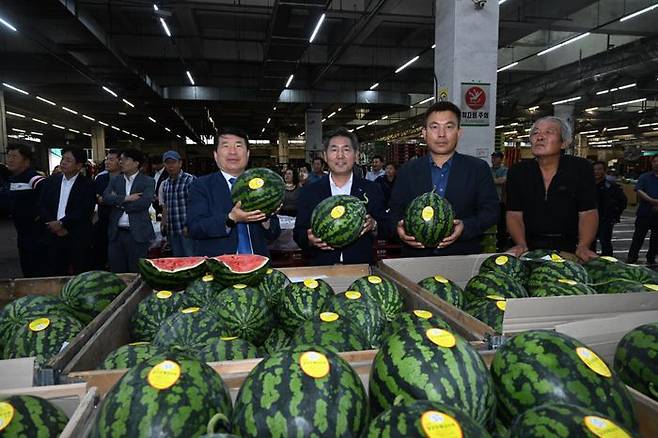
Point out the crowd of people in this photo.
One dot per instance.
(68, 223)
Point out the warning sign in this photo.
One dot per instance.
(475, 104)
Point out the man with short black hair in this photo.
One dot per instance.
(646, 215)
(175, 190)
(611, 203)
(101, 182)
(499, 173)
(216, 225)
(317, 170)
(377, 168)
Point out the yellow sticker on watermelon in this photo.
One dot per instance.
(239, 286)
(256, 183)
(39, 324)
(436, 424)
(352, 295)
(228, 338)
(653, 287)
(190, 309)
(440, 337)
(164, 375)
(207, 278)
(373, 279)
(501, 260)
(6, 414)
(441, 279)
(423, 314)
(337, 212)
(567, 281)
(502, 305)
(427, 213)
(609, 259)
(593, 361)
(164, 294)
(329, 316)
(310, 283)
(314, 364)
(603, 428)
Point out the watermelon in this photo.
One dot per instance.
(231, 269)
(490, 310)
(171, 273)
(228, 348)
(87, 294)
(259, 189)
(302, 301)
(305, 391)
(641, 274)
(552, 271)
(362, 311)
(25, 309)
(421, 363)
(540, 366)
(562, 287)
(129, 355)
(272, 285)
(243, 312)
(202, 292)
(383, 291)
(414, 318)
(151, 311)
(505, 264)
(604, 268)
(561, 420)
(277, 340)
(188, 331)
(445, 289)
(636, 359)
(43, 337)
(493, 283)
(330, 330)
(429, 218)
(422, 419)
(538, 256)
(167, 395)
(338, 220)
(30, 417)
(622, 286)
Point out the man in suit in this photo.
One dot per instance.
(101, 182)
(465, 181)
(130, 230)
(66, 207)
(340, 152)
(215, 224)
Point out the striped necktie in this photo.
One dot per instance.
(244, 242)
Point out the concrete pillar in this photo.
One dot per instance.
(97, 143)
(465, 64)
(3, 129)
(565, 112)
(284, 147)
(313, 122)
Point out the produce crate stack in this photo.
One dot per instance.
(400, 153)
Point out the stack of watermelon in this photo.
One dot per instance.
(30, 416)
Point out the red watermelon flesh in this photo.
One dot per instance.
(173, 273)
(243, 263)
(175, 264)
(233, 269)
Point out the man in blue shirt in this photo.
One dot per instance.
(175, 191)
(647, 214)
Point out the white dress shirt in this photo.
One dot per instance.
(345, 190)
(124, 222)
(64, 192)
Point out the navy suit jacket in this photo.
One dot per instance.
(470, 191)
(141, 227)
(79, 208)
(360, 251)
(208, 205)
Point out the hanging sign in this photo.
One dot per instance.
(475, 104)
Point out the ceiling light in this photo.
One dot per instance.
(375, 85)
(514, 124)
(434, 46)
(623, 87)
(11, 113)
(58, 126)
(18, 130)
(571, 99)
(125, 132)
(115, 128)
(500, 2)
(289, 80)
(372, 123)
(128, 103)
(351, 130)
(39, 121)
(87, 134)
(640, 12)
(274, 109)
(589, 132)
(407, 64)
(103, 123)
(141, 138)
(510, 133)
(73, 130)
(425, 101)
(155, 7)
(152, 119)
(11, 87)
(385, 117)
(189, 76)
(589, 110)
(500, 127)
(359, 127)
(644, 125)
(591, 136)
(620, 128)
(317, 27)
(110, 91)
(262, 130)
(88, 118)
(165, 27)
(269, 119)
(507, 67)
(564, 43)
(167, 129)
(628, 102)
(324, 120)
(49, 102)
(121, 113)
(339, 109)
(533, 108)
(69, 110)
(7, 24)
(331, 115)
(36, 133)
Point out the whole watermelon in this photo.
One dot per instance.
(230, 269)
(412, 319)
(550, 272)
(562, 287)
(25, 309)
(152, 311)
(641, 274)
(505, 264)
(419, 418)
(429, 218)
(362, 311)
(243, 312)
(302, 301)
(561, 420)
(383, 291)
(538, 256)
(33, 417)
(445, 289)
(302, 391)
(87, 294)
(187, 331)
(272, 285)
(338, 220)
(623, 286)
(540, 366)
(636, 359)
(259, 189)
(42, 337)
(202, 292)
(228, 348)
(493, 283)
(171, 273)
(490, 310)
(277, 340)
(432, 364)
(129, 355)
(165, 396)
(604, 268)
(331, 331)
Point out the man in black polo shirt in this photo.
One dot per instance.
(551, 200)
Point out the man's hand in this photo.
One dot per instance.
(315, 241)
(54, 226)
(133, 197)
(585, 254)
(239, 215)
(456, 232)
(409, 240)
(369, 224)
(517, 250)
(62, 232)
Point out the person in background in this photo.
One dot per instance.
(377, 168)
(317, 170)
(66, 207)
(647, 214)
(291, 195)
(499, 173)
(611, 202)
(175, 191)
(101, 182)
(387, 181)
(303, 174)
(159, 176)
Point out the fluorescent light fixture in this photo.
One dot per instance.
(262, 130)
(110, 91)
(372, 123)
(564, 43)
(407, 64)
(500, 127)
(317, 27)
(434, 46)
(88, 118)
(507, 67)
(115, 128)
(274, 109)
(533, 108)
(590, 132)
(125, 132)
(269, 119)
(58, 126)
(189, 76)
(425, 101)
(103, 123)
(623, 87)
(167, 129)
(18, 130)
(87, 134)
(385, 117)
(69, 110)
(591, 136)
(165, 27)
(351, 130)
(644, 125)
(11, 87)
(331, 115)
(339, 109)
(155, 7)
(571, 99)
(11, 113)
(598, 93)
(73, 130)
(36, 133)
(289, 80)
(7, 24)
(359, 127)
(591, 109)
(611, 90)
(128, 103)
(510, 133)
(324, 120)
(500, 2)
(619, 128)
(152, 119)
(49, 102)
(375, 85)
(628, 102)
(302, 133)
(640, 12)
(176, 135)
(514, 124)
(39, 121)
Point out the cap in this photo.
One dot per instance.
(170, 155)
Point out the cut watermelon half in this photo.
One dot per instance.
(232, 269)
(172, 273)
(175, 264)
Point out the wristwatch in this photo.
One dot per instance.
(230, 223)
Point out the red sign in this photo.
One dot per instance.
(475, 98)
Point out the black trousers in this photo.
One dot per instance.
(502, 237)
(69, 254)
(642, 226)
(604, 236)
(31, 251)
(100, 245)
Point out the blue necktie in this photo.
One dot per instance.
(244, 243)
